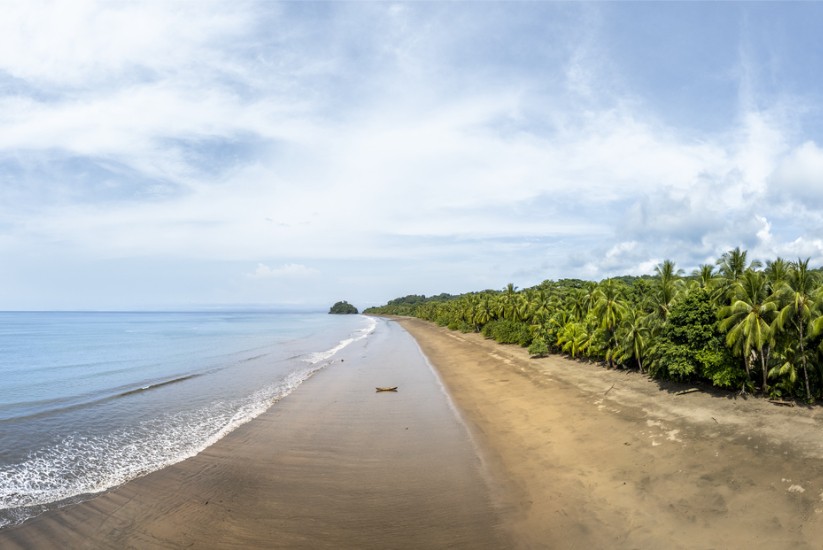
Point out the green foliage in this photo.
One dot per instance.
(408, 305)
(748, 320)
(538, 348)
(691, 346)
(461, 326)
(675, 361)
(506, 331)
(723, 323)
(343, 308)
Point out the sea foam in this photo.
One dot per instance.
(78, 466)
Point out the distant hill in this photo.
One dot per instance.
(343, 308)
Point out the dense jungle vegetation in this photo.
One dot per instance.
(736, 324)
(342, 308)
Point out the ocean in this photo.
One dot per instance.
(90, 400)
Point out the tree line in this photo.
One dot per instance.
(746, 326)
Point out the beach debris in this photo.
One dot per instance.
(386, 388)
(782, 403)
(690, 390)
(608, 390)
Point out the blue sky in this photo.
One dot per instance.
(195, 154)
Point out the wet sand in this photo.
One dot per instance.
(333, 465)
(551, 453)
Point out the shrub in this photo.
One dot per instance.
(506, 331)
(538, 348)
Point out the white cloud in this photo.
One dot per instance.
(765, 233)
(799, 176)
(372, 131)
(88, 43)
(284, 271)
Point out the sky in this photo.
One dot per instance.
(176, 155)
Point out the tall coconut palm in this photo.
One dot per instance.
(577, 303)
(732, 265)
(507, 304)
(524, 306)
(609, 309)
(557, 323)
(666, 289)
(798, 293)
(485, 311)
(632, 336)
(747, 320)
(539, 306)
(705, 275)
(777, 272)
(574, 338)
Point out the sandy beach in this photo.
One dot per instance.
(597, 458)
(520, 453)
(333, 465)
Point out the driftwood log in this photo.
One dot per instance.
(782, 403)
(690, 390)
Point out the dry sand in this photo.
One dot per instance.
(597, 458)
(557, 454)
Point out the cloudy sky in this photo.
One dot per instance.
(195, 154)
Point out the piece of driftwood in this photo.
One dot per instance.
(690, 390)
(608, 390)
(782, 403)
(386, 388)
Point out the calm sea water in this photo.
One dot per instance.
(91, 400)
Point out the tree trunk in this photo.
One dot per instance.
(748, 369)
(803, 362)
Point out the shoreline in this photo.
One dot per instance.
(333, 465)
(482, 447)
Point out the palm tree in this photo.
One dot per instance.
(667, 288)
(777, 272)
(747, 320)
(785, 368)
(732, 265)
(507, 304)
(632, 336)
(577, 303)
(574, 338)
(705, 275)
(608, 309)
(667, 271)
(798, 291)
(539, 306)
(484, 312)
(539, 314)
(523, 306)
